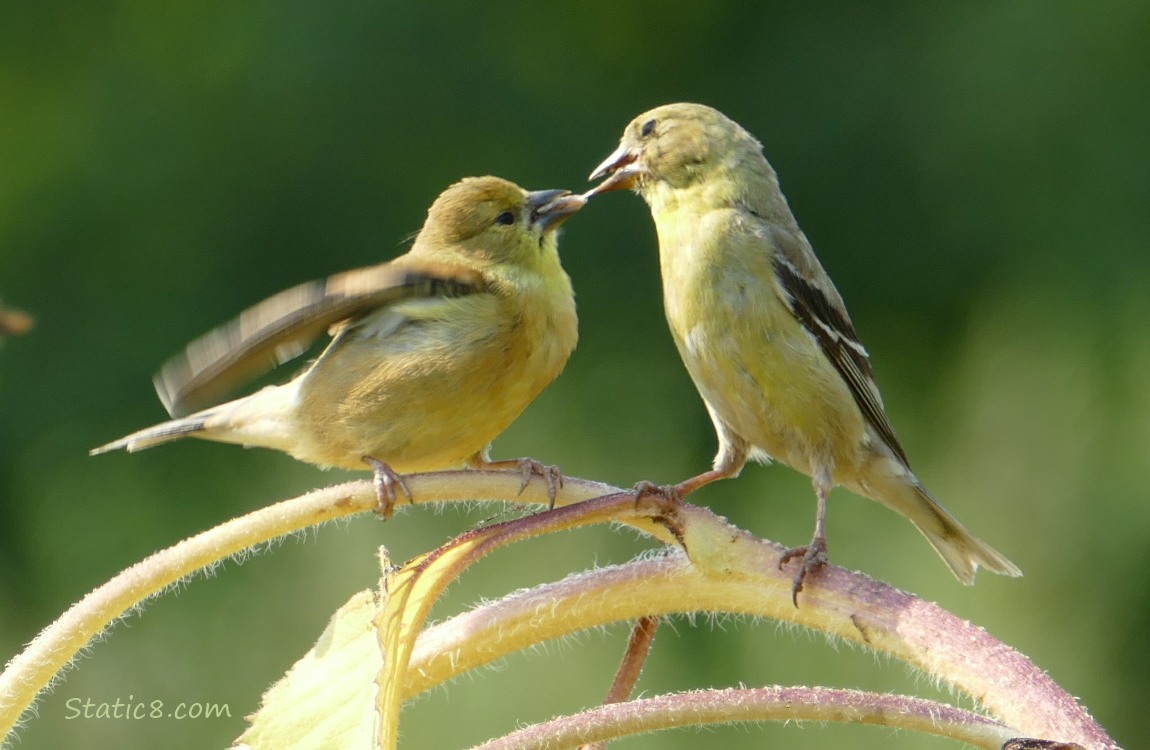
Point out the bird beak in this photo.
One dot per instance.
(550, 208)
(622, 169)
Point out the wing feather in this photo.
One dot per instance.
(285, 325)
(824, 316)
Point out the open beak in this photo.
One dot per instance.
(622, 170)
(550, 208)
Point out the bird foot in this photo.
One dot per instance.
(661, 493)
(813, 556)
(667, 500)
(388, 485)
(528, 469)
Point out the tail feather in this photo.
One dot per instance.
(893, 485)
(961, 550)
(265, 418)
(156, 435)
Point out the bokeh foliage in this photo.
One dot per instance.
(974, 176)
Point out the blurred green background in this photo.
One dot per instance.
(974, 176)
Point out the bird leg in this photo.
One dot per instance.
(674, 493)
(528, 468)
(386, 484)
(814, 555)
(687, 487)
(730, 461)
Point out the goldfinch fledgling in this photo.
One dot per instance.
(434, 353)
(763, 331)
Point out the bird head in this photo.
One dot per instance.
(492, 218)
(676, 145)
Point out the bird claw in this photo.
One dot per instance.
(668, 502)
(661, 493)
(813, 556)
(529, 468)
(388, 485)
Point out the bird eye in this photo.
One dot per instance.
(648, 128)
(506, 218)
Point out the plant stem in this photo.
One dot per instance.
(56, 646)
(759, 704)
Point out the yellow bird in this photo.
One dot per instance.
(434, 353)
(763, 331)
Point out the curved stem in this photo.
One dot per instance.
(758, 704)
(729, 571)
(734, 572)
(57, 645)
(411, 591)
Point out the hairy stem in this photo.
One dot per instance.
(724, 570)
(56, 646)
(760, 704)
(410, 592)
(733, 572)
